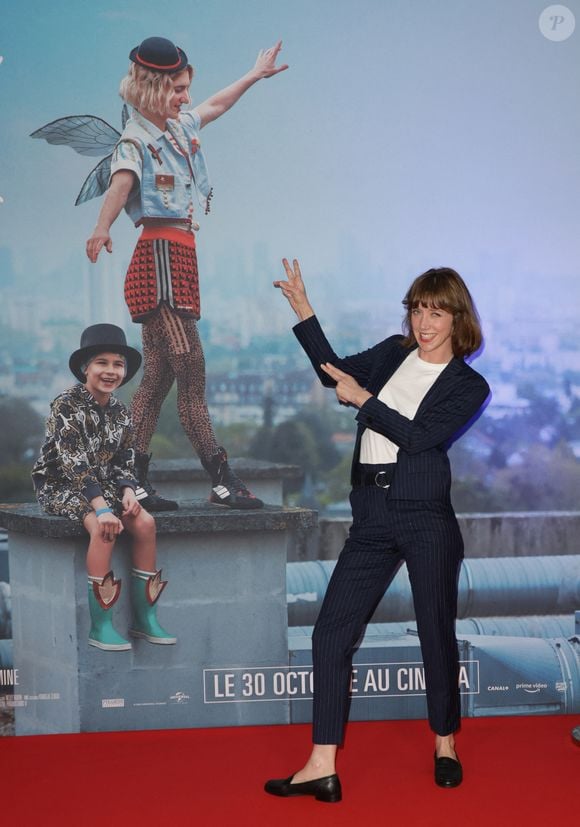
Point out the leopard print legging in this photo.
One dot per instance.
(172, 350)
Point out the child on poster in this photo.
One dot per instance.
(85, 472)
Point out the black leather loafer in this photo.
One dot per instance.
(448, 772)
(323, 789)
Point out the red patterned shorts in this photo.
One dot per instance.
(163, 270)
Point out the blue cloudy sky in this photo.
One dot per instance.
(406, 133)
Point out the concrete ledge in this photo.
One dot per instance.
(503, 534)
(195, 518)
(521, 533)
(164, 470)
(225, 602)
(186, 479)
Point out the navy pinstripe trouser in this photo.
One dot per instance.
(385, 532)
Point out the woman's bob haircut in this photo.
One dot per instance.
(146, 90)
(443, 288)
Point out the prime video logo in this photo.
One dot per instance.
(532, 688)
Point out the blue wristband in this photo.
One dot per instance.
(106, 510)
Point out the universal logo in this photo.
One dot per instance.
(112, 703)
(179, 698)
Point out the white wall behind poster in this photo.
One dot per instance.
(405, 134)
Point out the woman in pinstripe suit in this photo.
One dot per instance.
(414, 395)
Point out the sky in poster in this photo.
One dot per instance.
(406, 133)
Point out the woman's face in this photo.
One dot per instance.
(433, 328)
(179, 96)
(104, 373)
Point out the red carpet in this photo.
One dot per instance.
(518, 771)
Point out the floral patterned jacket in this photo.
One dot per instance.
(86, 444)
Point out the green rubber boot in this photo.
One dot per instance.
(103, 594)
(146, 586)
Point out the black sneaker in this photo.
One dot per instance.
(145, 493)
(152, 501)
(227, 488)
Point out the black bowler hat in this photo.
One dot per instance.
(104, 338)
(159, 55)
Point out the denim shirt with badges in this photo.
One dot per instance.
(166, 184)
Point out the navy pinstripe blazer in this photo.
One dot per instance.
(423, 471)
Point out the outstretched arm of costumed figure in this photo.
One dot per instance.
(265, 67)
(115, 200)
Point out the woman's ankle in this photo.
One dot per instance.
(445, 746)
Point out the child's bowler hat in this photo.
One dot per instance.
(104, 338)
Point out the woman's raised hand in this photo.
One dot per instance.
(293, 289)
(265, 66)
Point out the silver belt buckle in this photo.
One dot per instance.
(381, 484)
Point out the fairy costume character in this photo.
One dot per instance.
(158, 175)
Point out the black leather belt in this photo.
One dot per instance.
(379, 475)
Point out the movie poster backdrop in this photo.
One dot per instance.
(403, 136)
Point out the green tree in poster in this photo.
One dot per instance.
(21, 430)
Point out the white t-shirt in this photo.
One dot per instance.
(403, 392)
